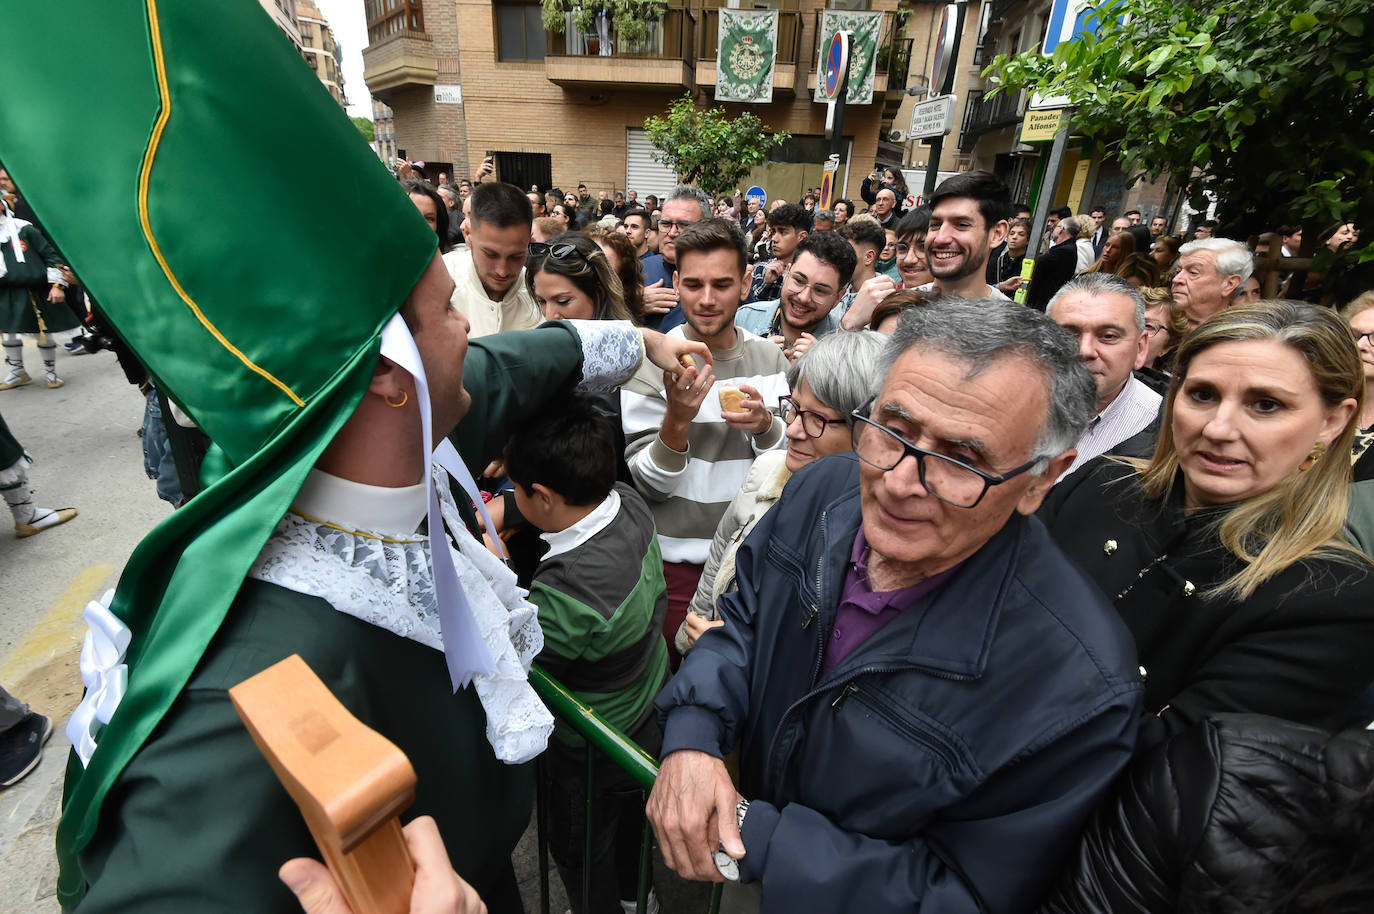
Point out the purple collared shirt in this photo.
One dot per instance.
(863, 610)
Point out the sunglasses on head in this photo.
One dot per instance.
(560, 251)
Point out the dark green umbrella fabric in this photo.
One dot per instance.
(246, 242)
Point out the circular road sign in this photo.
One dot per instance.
(944, 44)
(836, 64)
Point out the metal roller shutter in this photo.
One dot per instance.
(642, 173)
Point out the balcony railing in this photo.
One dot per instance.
(789, 49)
(982, 114)
(405, 58)
(670, 36)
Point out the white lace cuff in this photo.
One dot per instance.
(612, 352)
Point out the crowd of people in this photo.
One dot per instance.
(929, 585)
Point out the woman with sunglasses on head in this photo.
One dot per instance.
(1223, 552)
(838, 373)
(571, 278)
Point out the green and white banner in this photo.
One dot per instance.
(867, 27)
(746, 48)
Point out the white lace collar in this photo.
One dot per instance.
(376, 509)
(588, 527)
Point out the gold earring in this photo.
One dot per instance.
(405, 398)
(1318, 451)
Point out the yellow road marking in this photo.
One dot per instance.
(60, 630)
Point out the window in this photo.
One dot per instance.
(519, 32)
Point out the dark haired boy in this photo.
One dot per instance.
(788, 225)
(602, 600)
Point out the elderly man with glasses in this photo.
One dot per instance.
(927, 697)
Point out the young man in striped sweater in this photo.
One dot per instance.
(689, 444)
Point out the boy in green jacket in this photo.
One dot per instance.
(601, 599)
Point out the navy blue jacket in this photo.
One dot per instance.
(949, 763)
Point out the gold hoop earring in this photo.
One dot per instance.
(1317, 453)
(405, 398)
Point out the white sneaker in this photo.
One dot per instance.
(17, 377)
(650, 908)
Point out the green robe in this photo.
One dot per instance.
(197, 821)
(24, 287)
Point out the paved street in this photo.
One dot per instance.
(88, 456)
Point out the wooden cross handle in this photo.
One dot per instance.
(349, 781)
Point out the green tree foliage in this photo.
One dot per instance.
(365, 127)
(708, 148)
(628, 16)
(1269, 100)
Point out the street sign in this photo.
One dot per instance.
(756, 194)
(933, 117)
(1039, 126)
(836, 64)
(448, 95)
(944, 47)
(1068, 20)
(832, 165)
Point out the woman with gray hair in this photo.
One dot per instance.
(836, 375)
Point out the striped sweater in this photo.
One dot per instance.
(689, 491)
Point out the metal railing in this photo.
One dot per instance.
(982, 114)
(671, 36)
(602, 739)
(789, 49)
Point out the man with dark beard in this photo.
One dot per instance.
(969, 217)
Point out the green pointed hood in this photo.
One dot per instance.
(242, 237)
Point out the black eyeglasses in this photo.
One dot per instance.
(813, 423)
(669, 226)
(1362, 337)
(560, 251)
(951, 481)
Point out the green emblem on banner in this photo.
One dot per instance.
(867, 27)
(746, 49)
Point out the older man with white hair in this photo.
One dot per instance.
(928, 698)
(1210, 270)
(1106, 315)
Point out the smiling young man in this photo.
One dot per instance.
(687, 454)
(880, 629)
(489, 274)
(812, 287)
(968, 218)
(1106, 314)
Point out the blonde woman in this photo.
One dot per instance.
(1223, 551)
(1083, 244)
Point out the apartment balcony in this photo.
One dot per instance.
(894, 56)
(982, 115)
(404, 59)
(791, 58)
(596, 57)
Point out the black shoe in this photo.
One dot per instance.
(21, 747)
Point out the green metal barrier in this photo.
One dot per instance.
(603, 739)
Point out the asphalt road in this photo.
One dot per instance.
(83, 438)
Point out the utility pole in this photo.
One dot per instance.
(937, 145)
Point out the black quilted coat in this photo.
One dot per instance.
(1199, 821)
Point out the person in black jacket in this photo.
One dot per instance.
(1056, 266)
(928, 699)
(1238, 814)
(1223, 552)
